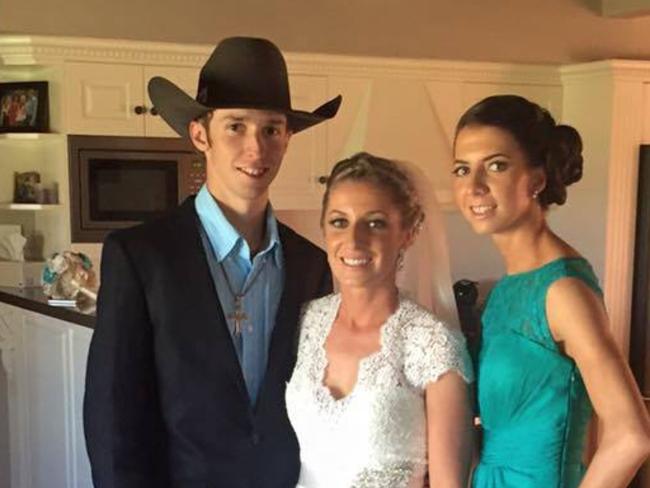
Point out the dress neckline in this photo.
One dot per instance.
(324, 362)
(544, 266)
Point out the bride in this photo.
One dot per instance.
(378, 397)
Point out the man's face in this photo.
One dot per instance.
(243, 150)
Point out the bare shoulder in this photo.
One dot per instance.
(571, 291)
(574, 310)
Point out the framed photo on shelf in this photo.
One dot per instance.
(24, 107)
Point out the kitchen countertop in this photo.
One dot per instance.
(33, 299)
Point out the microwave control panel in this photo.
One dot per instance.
(195, 176)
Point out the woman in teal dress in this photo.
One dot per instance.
(547, 359)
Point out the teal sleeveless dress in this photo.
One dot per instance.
(532, 401)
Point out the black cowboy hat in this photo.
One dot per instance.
(242, 72)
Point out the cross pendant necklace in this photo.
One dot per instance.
(238, 316)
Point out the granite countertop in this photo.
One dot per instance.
(33, 299)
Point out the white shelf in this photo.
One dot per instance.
(28, 136)
(29, 206)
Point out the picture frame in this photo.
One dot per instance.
(24, 106)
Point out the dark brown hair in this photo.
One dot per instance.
(555, 148)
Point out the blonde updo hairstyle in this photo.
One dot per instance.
(381, 173)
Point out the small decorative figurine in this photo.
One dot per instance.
(70, 276)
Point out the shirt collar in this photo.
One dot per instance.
(273, 236)
(224, 238)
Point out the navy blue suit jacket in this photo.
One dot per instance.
(165, 403)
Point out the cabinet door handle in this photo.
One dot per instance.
(140, 109)
(153, 111)
(322, 180)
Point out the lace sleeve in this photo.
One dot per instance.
(431, 349)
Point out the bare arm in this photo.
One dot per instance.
(578, 321)
(449, 432)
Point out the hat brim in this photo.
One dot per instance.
(178, 109)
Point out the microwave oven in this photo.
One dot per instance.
(118, 182)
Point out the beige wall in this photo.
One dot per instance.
(553, 31)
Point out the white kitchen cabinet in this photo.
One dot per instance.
(112, 99)
(448, 102)
(346, 132)
(104, 99)
(185, 78)
(451, 99)
(398, 108)
(394, 118)
(297, 184)
(409, 111)
(549, 97)
(45, 363)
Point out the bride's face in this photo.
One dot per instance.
(363, 235)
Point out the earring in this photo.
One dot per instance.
(400, 259)
(535, 194)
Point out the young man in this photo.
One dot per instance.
(197, 313)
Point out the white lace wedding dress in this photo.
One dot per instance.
(375, 436)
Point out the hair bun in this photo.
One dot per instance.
(567, 150)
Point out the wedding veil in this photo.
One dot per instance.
(426, 274)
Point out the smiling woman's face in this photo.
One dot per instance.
(363, 235)
(493, 182)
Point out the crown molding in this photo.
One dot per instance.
(42, 50)
(429, 69)
(614, 69)
(25, 50)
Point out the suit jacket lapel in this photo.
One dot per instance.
(205, 298)
(286, 320)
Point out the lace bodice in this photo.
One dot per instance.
(376, 435)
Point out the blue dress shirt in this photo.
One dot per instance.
(262, 277)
